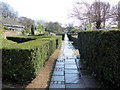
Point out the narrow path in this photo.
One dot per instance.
(67, 72)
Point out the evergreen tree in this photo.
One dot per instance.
(32, 30)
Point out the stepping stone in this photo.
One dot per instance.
(71, 57)
(70, 63)
(59, 66)
(59, 63)
(60, 60)
(71, 72)
(57, 82)
(57, 78)
(61, 73)
(69, 66)
(59, 69)
(69, 60)
(77, 86)
(73, 78)
(72, 67)
(58, 86)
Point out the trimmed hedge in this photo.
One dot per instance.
(101, 50)
(20, 39)
(73, 38)
(63, 35)
(22, 62)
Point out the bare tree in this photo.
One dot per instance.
(69, 27)
(7, 11)
(119, 14)
(27, 22)
(54, 27)
(97, 12)
(114, 12)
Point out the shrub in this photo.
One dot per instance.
(32, 30)
(74, 38)
(101, 51)
(1, 32)
(20, 39)
(22, 62)
(6, 28)
(63, 35)
(23, 32)
(74, 31)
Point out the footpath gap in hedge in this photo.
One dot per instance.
(22, 62)
(101, 50)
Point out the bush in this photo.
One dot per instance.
(32, 30)
(1, 32)
(63, 35)
(74, 31)
(22, 62)
(6, 28)
(23, 32)
(101, 51)
(74, 38)
(20, 39)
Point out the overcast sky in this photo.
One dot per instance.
(50, 10)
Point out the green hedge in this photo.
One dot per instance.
(101, 50)
(63, 35)
(20, 39)
(22, 62)
(74, 38)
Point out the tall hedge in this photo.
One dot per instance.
(22, 62)
(63, 35)
(101, 50)
(74, 38)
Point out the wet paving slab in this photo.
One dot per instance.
(72, 72)
(60, 73)
(57, 78)
(70, 59)
(56, 86)
(71, 67)
(69, 71)
(73, 78)
(70, 62)
(59, 66)
(75, 86)
(59, 69)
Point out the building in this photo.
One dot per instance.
(13, 27)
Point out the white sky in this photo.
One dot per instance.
(50, 10)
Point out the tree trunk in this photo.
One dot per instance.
(104, 24)
(98, 25)
(119, 14)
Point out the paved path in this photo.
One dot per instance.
(68, 73)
